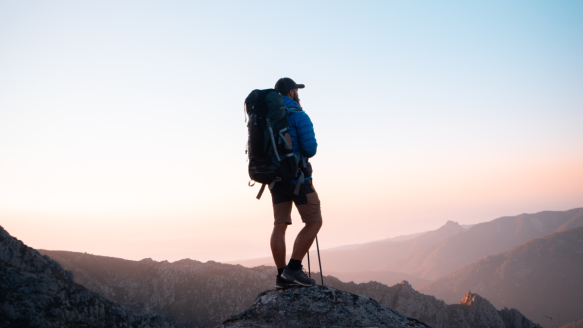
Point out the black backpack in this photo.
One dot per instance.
(269, 147)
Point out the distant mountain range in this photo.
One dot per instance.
(436, 253)
(544, 276)
(388, 278)
(531, 262)
(391, 239)
(371, 256)
(488, 238)
(193, 294)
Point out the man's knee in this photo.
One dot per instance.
(314, 225)
(280, 228)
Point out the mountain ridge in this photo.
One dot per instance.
(487, 238)
(543, 276)
(136, 284)
(366, 257)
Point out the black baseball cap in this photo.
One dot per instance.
(285, 85)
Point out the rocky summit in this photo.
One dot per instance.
(36, 291)
(318, 306)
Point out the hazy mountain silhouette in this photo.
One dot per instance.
(391, 239)
(193, 294)
(436, 253)
(544, 276)
(388, 278)
(36, 291)
(370, 256)
(483, 239)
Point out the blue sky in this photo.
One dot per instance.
(117, 113)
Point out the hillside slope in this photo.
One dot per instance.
(188, 293)
(483, 239)
(472, 311)
(541, 277)
(36, 291)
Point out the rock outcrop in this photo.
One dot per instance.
(36, 291)
(318, 306)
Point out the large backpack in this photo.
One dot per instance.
(269, 147)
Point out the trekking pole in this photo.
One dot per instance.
(309, 271)
(318, 248)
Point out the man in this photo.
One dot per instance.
(307, 202)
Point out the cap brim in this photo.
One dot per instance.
(301, 86)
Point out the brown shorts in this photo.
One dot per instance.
(307, 203)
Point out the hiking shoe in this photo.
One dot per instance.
(282, 283)
(298, 276)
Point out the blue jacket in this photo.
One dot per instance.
(301, 129)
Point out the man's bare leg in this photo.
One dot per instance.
(278, 244)
(304, 240)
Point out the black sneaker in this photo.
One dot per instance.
(282, 283)
(298, 276)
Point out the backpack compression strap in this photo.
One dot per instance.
(261, 191)
(301, 177)
(299, 183)
(273, 139)
(271, 185)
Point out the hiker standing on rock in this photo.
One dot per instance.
(304, 145)
(281, 140)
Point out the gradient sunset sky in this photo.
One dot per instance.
(122, 130)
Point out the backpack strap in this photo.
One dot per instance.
(273, 139)
(272, 184)
(301, 178)
(299, 183)
(261, 191)
(283, 138)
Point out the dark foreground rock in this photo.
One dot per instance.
(36, 291)
(318, 306)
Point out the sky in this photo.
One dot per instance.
(122, 130)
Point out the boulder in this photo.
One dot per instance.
(318, 306)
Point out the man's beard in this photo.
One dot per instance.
(297, 99)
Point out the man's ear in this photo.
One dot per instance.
(291, 93)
